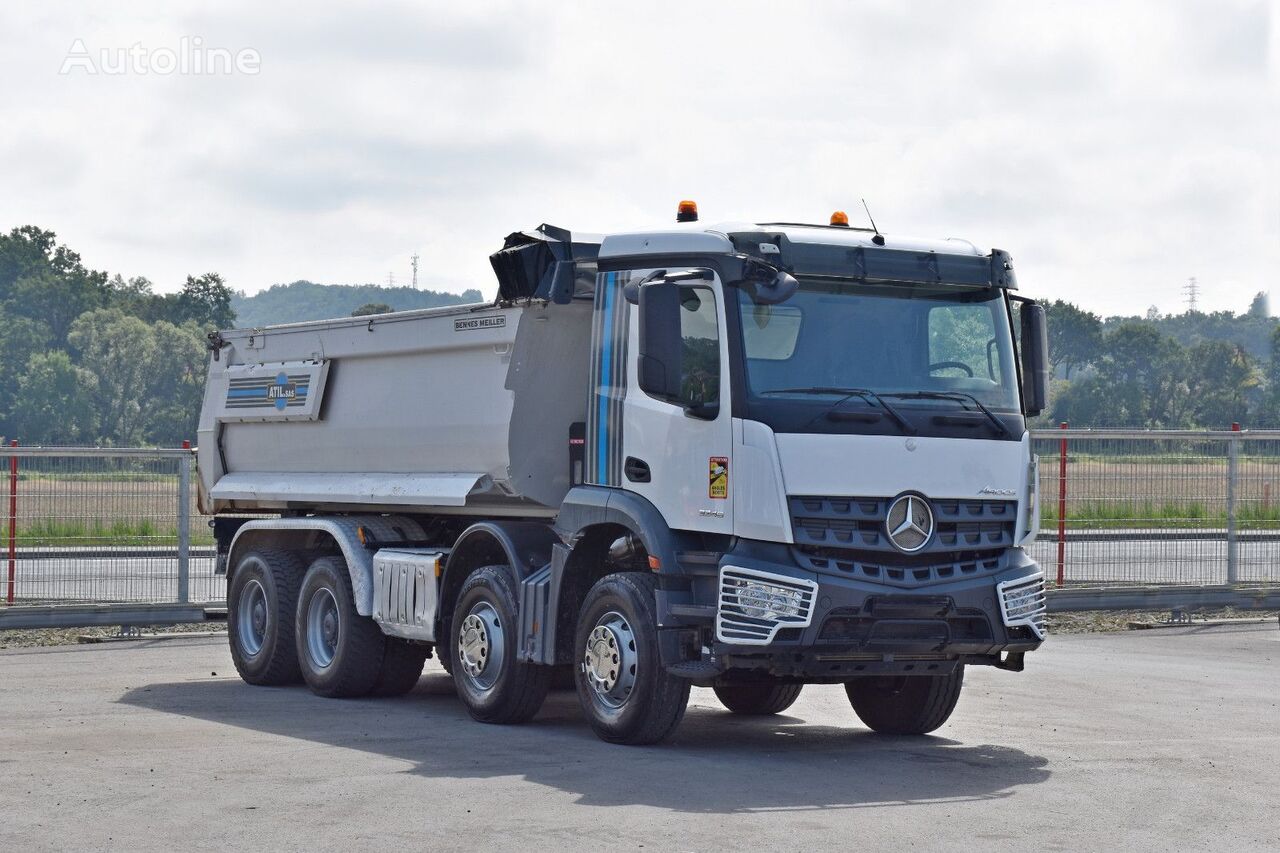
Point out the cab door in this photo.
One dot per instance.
(676, 455)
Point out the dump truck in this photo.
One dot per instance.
(743, 456)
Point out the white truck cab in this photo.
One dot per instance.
(747, 456)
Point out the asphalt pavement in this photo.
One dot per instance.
(1136, 741)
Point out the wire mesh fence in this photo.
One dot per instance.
(1118, 508)
(99, 525)
(1159, 507)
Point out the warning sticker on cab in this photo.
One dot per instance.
(719, 477)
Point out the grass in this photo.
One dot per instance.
(1150, 513)
(97, 477)
(46, 532)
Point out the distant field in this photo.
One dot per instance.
(1158, 492)
(88, 509)
(140, 508)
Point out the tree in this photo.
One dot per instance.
(46, 282)
(372, 308)
(177, 389)
(1268, 414)
(1260, 306)
(1075, 336)
(20, 337)
(121, 353)
(1140, 381)
(1223, 378)
(207, 302)
(49, 405)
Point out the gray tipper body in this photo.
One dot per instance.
(462, 410)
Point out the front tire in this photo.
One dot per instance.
(626, 694)
(905, 705)
(756, 699)
(495, 686)
(260, 606)
(340, 651)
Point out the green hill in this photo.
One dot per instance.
(305, 300)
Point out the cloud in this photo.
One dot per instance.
(1115, 149)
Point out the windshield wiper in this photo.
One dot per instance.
(846, 393)
(957, 396)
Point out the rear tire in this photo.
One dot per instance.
(627, 695)
(495, 686)
(402, 663)
(905, 705)
(760, 698)
(260, 607)
(340, 652)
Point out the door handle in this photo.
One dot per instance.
(637, 470)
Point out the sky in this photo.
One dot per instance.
(1114, 148)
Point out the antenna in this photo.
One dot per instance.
(1192, 290)
(879, 238)
(413, 262)
(391, 279)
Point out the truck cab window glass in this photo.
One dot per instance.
(890, 339)
(700, 359)
(770, 332)
(962, 343)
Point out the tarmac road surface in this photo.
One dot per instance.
(1149, 740)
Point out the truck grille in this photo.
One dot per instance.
(857, 524)
(754, 605)
(869, 567)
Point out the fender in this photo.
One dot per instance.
(524, 546)
(586, 506)
(292, 532)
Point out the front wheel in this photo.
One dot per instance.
(755, 699)
(905, 705)
(626, 694)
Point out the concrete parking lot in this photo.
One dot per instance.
(1144, 740)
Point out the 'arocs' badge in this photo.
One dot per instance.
(719, 483)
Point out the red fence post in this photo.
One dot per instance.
(1062, 506)
(13, 521)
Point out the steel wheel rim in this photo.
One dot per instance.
(610, 660)
(253, 618)
(481, 646)
(323, 628)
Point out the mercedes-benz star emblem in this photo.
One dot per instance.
(909, 523)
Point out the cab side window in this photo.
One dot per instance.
(700, 357)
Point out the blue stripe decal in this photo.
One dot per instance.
(606, 354)
(261, 392)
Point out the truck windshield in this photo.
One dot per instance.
(938, 347)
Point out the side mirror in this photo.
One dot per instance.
(1035, 359)
(660, 344)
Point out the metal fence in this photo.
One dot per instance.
(112, 536)
(106, 527)
(1121, 507)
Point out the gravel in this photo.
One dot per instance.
(27, 638)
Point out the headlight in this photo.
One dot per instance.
(760, 600)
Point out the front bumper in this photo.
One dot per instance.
(824, 627)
